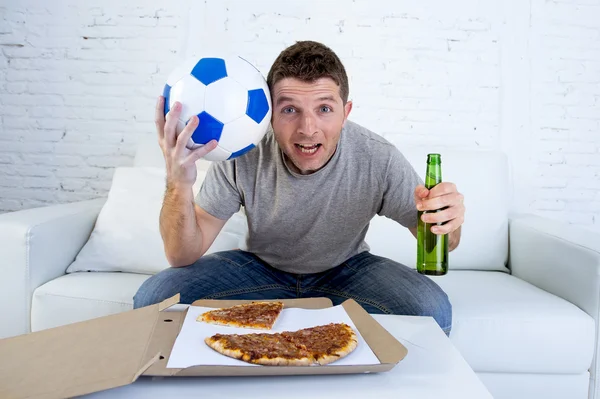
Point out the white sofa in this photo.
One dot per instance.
(524, 290)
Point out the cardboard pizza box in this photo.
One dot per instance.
(116, 350)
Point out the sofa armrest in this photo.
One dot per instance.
(37, 246)
(559, 258)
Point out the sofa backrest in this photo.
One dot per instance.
(482, 176)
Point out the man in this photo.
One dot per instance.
(309, 189)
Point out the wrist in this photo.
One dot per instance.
(179, 189)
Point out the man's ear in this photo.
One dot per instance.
(347, 109)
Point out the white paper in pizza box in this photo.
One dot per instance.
(115, 350)
(190, 349)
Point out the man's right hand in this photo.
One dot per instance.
(180, 161)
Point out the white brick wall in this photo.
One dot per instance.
(78, 87)
(565, 55)
(522, 76)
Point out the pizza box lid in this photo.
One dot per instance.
(113, 351)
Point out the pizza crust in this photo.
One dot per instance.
(206, 318)
(219, 346)
(280, 361)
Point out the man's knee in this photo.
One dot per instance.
(145, 296)
(156, 289)
(427, 299)
(193, 282)
(440, 308)
(397, 289)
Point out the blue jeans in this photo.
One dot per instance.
(378, 284)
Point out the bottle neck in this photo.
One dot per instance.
(433, 175)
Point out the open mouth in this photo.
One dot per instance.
(308, 148)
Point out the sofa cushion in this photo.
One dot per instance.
(126, 236)
(82, 296)
(504, 324)
(482, 176)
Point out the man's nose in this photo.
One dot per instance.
(308, 125)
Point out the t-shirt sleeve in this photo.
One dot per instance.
(219, 194)
(399, 185)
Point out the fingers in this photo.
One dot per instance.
(421, 191)
(199, 153)
(435, 203)
(449, 203)
(170, 130)
(449, 227)
(186, 134)
(442, 189)
(445, 215)
(159, 117)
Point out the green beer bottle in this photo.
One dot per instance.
(432, 249)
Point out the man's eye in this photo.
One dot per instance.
(288, 110)
(325, 108)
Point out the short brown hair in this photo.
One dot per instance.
(309, 61)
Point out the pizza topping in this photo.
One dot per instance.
(254, 315)
(315, 345)
(255, 346)
(323, 340)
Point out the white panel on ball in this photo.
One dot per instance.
(226, 100)
(218, 154)
(189, 91)
(176, 75)
(237, 68)
(233, 136)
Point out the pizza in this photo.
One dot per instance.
(260, 315)
(318, 345)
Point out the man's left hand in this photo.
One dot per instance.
(444, 195)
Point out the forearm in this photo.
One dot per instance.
(454, 239)
(178, 227)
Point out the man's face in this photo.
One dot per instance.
(307, 121)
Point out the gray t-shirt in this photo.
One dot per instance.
(311, 223)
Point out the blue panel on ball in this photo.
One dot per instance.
(208, 129)
(209, 70)
(241, 152)
(258, 106)
(167, 95)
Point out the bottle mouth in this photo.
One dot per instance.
(434, 159)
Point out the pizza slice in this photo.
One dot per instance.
(263, 348)
(310, 346)
(326, 343)
(260, 315)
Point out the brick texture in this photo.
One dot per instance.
(79, 84)
(78, 88)
(565, 55)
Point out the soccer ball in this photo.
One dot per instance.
(231, 99)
